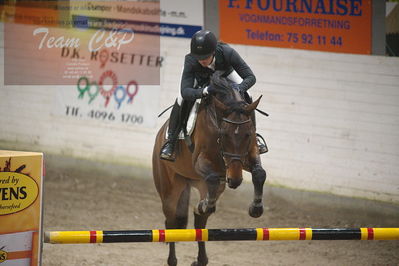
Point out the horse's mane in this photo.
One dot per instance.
(226, 94)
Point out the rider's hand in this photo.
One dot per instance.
(236, 87)
(205, 91)
(208, 90)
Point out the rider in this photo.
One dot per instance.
(206, 56)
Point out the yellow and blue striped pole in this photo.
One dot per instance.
(178, 235)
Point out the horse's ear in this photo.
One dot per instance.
(219, 105)
(250, 107)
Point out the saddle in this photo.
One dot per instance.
(189, 124)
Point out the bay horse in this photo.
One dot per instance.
(224, 144)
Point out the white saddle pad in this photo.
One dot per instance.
(191, 120)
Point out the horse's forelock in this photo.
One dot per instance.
(226, 94)
(218, 80)
(224, 91)
(236, 107)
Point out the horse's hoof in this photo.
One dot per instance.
(255, 211)
(172, 261)
(197, 263)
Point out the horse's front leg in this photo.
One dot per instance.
(208, 205)
(258, 179)
(205, 208)
(214, 177)
(200, 223)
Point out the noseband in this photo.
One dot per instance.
(227, 156)
(235, 122)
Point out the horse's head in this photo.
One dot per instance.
(236, 130)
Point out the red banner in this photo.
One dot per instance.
(325, 25)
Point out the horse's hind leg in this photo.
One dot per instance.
(200, 221)
(172, 260)
(175, 207)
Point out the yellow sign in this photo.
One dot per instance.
(17, 192)
(21, 182)
(3, 256)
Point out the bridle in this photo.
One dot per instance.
(229, 157)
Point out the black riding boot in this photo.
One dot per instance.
(260, 141)
(168, 149)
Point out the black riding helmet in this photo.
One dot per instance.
(203, 44)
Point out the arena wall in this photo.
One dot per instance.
(333, 124)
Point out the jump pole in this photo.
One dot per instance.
(254, 234)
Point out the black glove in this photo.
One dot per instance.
(236, 87)
(208, 90)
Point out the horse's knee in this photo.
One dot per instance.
(258, 176)
(212, 180)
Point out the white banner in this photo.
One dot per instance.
(183, 12)
(181, 18)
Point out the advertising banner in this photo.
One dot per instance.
(181, 18)
(101, 57)
(57, 43)
(21, 183)
(324, 25)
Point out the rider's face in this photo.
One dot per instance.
(206, 62)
